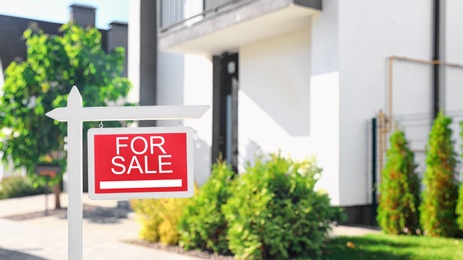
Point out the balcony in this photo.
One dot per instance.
(216, 26)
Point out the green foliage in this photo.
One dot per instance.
(459, 209)
(159, 218)
(203, 225)
(18, 186)
(441, 187)
(275, 213)
(41, 83)
(399, 189)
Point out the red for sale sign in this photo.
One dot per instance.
(147, 162)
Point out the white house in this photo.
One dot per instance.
(304, 77)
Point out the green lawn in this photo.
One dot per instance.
(381, 246)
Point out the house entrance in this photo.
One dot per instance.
(225, 109)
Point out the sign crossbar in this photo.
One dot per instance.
(131, 113)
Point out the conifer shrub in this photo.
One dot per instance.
(159, 218)
(439, 197)
(399, 189)
(203, 224)
(459, 210)
(275, 213)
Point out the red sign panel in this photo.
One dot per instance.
(151, 162)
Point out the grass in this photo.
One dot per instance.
(380, 246)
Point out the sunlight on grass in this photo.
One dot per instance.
(393, 247)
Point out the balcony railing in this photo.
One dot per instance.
(177, 14)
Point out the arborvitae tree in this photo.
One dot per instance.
(459, 210)
(439, 197)
(399, 189)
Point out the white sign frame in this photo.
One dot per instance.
(75, 114)
(140, 195)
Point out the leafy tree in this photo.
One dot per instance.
(399, 189)
(42, 82)
(441, 187)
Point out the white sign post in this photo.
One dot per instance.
(74, 114)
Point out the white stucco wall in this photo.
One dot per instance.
(170, 81)
(133, 57)
(453, 77)
(294, 77)
(187, 80)
(274, 95)
(284, 106)
(325, 97)
(453, 52)
(324, 131)
(198, 91)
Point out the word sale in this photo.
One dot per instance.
(147, 156)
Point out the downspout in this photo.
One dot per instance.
(436, 56)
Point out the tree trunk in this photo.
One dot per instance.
(56, 192)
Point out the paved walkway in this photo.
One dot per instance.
(104, 237)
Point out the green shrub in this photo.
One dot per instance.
(159, 218)
(203, 225)
(399, 189)
(438, 217)
(459, 209)
(275, 213)
(19, 186)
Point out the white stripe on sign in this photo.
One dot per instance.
(140, 184)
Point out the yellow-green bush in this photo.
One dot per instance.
(159, 218)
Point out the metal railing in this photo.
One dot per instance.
(176, 14)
